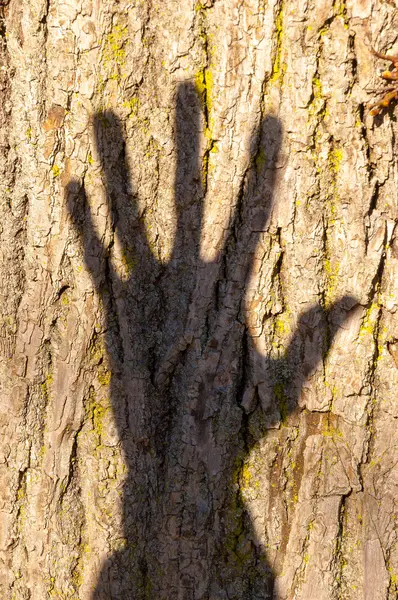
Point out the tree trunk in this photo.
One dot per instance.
(199, 342)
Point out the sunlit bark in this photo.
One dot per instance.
(199, 277)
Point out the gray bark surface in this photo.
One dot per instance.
(199, 279)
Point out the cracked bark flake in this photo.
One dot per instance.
(198, 301)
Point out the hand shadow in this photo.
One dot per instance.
(175, 339)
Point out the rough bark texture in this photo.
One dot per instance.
(199, 279)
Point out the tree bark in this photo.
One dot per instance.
(199, 342)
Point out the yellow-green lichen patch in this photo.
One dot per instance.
(340, 10)
(279, 67)
(77, 577)
(96, 413)
(114, 46)
(56, 171)
(318, 105)
(238, 550)
(132, 106)
(78, 571)
(331, 269)
(104, 375)
(204, 89)
(370, 320)
(330, 431)
(45, 386)
(129, 260)
(113, 56)
(335, 158)
(260, 159)
(393, 578)
(204, 84)
(200, 85)
(317, 87)
(331, 265)
(246, 476)
(282, 324)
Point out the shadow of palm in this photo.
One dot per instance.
(186, 375)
